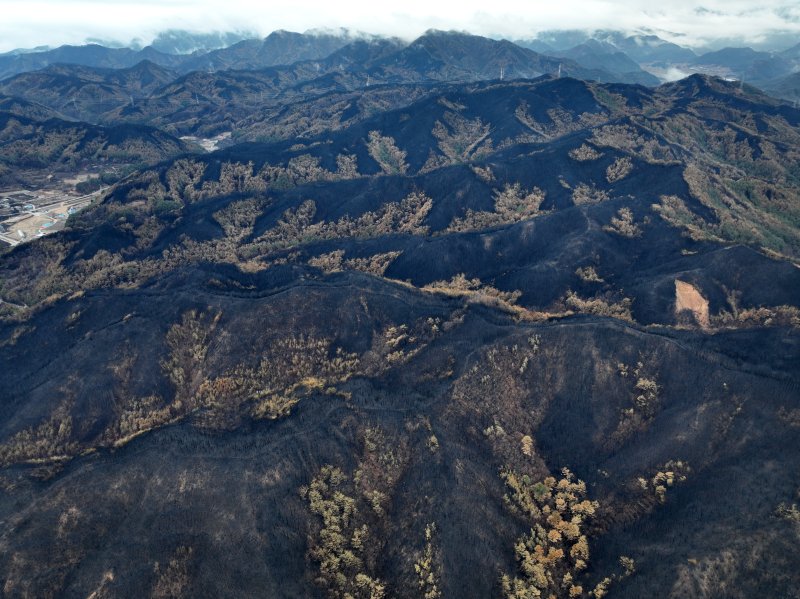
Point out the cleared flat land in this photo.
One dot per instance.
(29, 214)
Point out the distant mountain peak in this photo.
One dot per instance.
(700, 84)
(179, 41)
(452, 34)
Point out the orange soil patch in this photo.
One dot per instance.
(688, 297)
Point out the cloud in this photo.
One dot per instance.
(28, 23)
(674, 74)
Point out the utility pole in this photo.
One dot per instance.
(502, 73)
(559, 70)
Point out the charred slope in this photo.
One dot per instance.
(306, 119)
(429, 400)
(374, 353)
(607, 205)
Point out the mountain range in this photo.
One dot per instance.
(221, 98)
(448, 318)
(602, 55)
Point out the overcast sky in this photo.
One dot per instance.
(29, 23)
